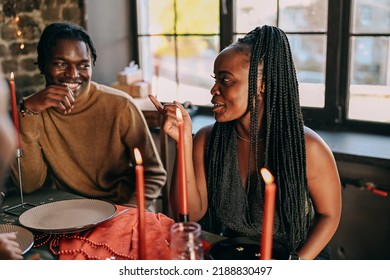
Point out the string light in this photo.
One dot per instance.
(19, 33)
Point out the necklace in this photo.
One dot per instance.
(242, 138)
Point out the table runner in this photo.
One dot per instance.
(117, 239)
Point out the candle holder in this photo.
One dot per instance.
(23, 205)
(184, 217)
(186, 242)
(19, 153)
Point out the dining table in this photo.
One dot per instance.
(12, 209)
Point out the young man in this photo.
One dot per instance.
(79, 135)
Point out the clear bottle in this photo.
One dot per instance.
(186, 243)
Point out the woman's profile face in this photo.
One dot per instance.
(230, 91)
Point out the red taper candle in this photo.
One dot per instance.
(268, 219)
(140, 188)
(14, 106)
(183, 212)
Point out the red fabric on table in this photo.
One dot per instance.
(118, 238)
(206, 249)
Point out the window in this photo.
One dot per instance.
(369, 89)
(341, 50)
(178, 41)
(305, 23)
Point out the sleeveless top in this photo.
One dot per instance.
(234, 211)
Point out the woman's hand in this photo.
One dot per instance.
(170, 120)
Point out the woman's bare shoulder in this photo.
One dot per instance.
(311, 135)
(203, 133)
(315, 145)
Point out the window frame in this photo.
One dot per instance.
(333, 117)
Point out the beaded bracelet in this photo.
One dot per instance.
(24, 111)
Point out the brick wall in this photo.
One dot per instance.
(18, 52)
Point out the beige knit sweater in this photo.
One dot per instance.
(90, 151)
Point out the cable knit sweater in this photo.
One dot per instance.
(90, 151)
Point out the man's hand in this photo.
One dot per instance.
(59, 97)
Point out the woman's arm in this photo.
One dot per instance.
(194, 152)
(196, 182)
(325, 191)
(198, 207)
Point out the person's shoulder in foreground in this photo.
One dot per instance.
(9, 247)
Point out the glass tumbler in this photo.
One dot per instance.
(186, 243)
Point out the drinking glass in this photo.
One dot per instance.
(186, 243)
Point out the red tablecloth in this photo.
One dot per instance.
(117, 239)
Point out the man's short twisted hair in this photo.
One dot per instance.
(62, 30)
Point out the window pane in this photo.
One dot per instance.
(195, 17)
(309, 55)
(371, 16)
(157, 54)
(303, 15)
(250, 14)
(370, 60)
(309, 52)
(196, 62)
(156, 17)
(184, 76)
(370, 79)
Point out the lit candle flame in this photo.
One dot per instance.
(179, 116)
(12, 76)
(138, 158)
(267, 176)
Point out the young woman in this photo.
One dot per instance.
(259, 124)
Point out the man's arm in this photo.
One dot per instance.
(33, 166)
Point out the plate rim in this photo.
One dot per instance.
(26, 231)
(73, 229)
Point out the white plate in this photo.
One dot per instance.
(67, 216)
(24, 237)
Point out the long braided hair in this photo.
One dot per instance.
(285, 154)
